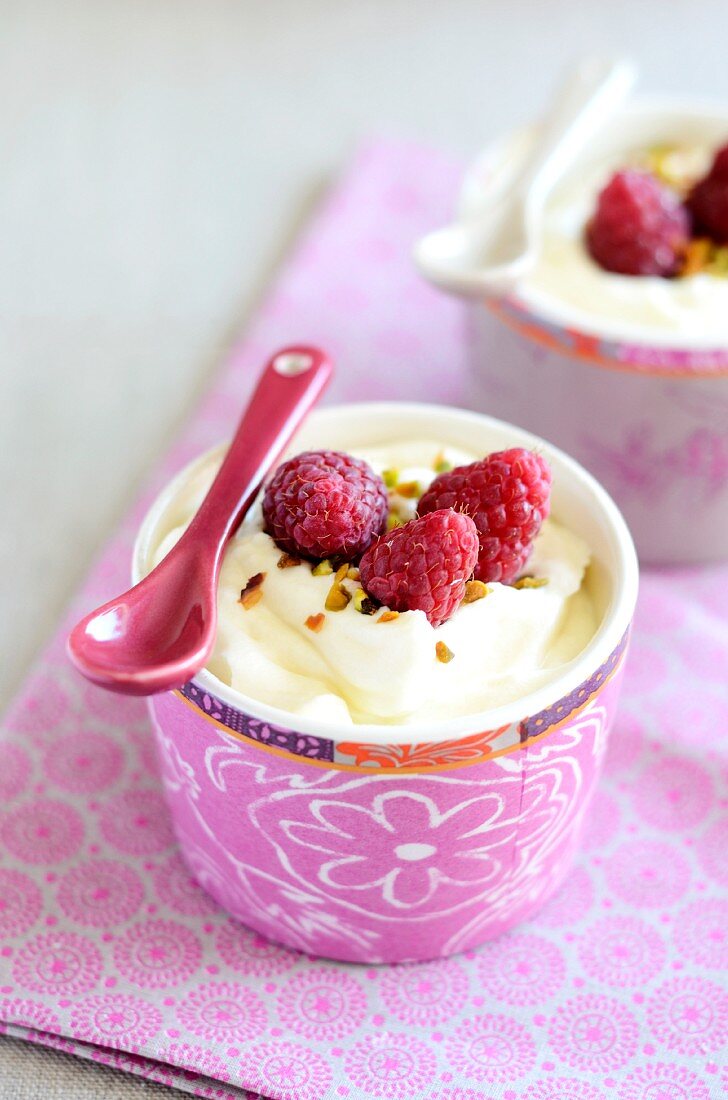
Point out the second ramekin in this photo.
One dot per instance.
(646, 413)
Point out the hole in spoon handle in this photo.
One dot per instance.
(291, 363)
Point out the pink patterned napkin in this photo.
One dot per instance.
(109, 950)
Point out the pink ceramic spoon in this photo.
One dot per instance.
(157, 635)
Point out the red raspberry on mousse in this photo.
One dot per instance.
(424, 565)
(507, 496)
(708, 200)
(639, 226)
(325, 504)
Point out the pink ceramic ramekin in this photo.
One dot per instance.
(647, 414)
(388, 843)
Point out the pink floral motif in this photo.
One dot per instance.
(15, 768)
(657, 609)
(386, 1064)
(422, 994)
(248, 953)
(521, 969)
(712, 851)
(647, 670)
(626, 743)
(444, 1092)
(146, 752)
(100, 893)
(42, 707)
(137, 823)
(223, 1012)
(689, 1015)
(659, 1081)
(31, 1014)
(393, 848)
(622, 951)
(20, 903)
(176, 887)
(287, 1071)
(114, 710)
(593, 1033)
(701, 933)
(674, 793)
(322, 1003)
(689, 718)
(48, 1039)
(115, 1020)
(702, 655)
(647, 469)
(569, 904)
(563, 1088)
(83, 763)
(602, 821)
(156, 954)
(647, 873)
(43, 831)
(58, 963)
(491, 1048)
(196, 1059)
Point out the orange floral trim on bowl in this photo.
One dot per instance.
(632, 358)
(433, 755)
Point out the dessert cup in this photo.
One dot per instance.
(387, 843)
(645, 410)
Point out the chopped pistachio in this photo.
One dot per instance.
(718, 263)
(251, 594)
(287, 561)
(441, 464)
(363, 603)
(390, 478)
(353, 573)
(697, 256)
(475, 590)
(393, 521)
(530, 582)
(341, 573)
(660, 162)
(409, 489)
(322, 568)
(387, 616)
(337, 598)
(315, 622)
(678, 166)
(704, 255)
(443, 654)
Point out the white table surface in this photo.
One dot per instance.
(155, 161)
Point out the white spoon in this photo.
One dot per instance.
(487, 256)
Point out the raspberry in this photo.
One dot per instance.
(325, 504)
(507, 495)
(639, 226)
(708, 200)
(423, 565)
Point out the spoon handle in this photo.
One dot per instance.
(287, 389)
(586, 99)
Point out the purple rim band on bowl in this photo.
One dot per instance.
(354, 753)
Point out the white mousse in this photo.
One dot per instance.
(356, 669)
(694, 307)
